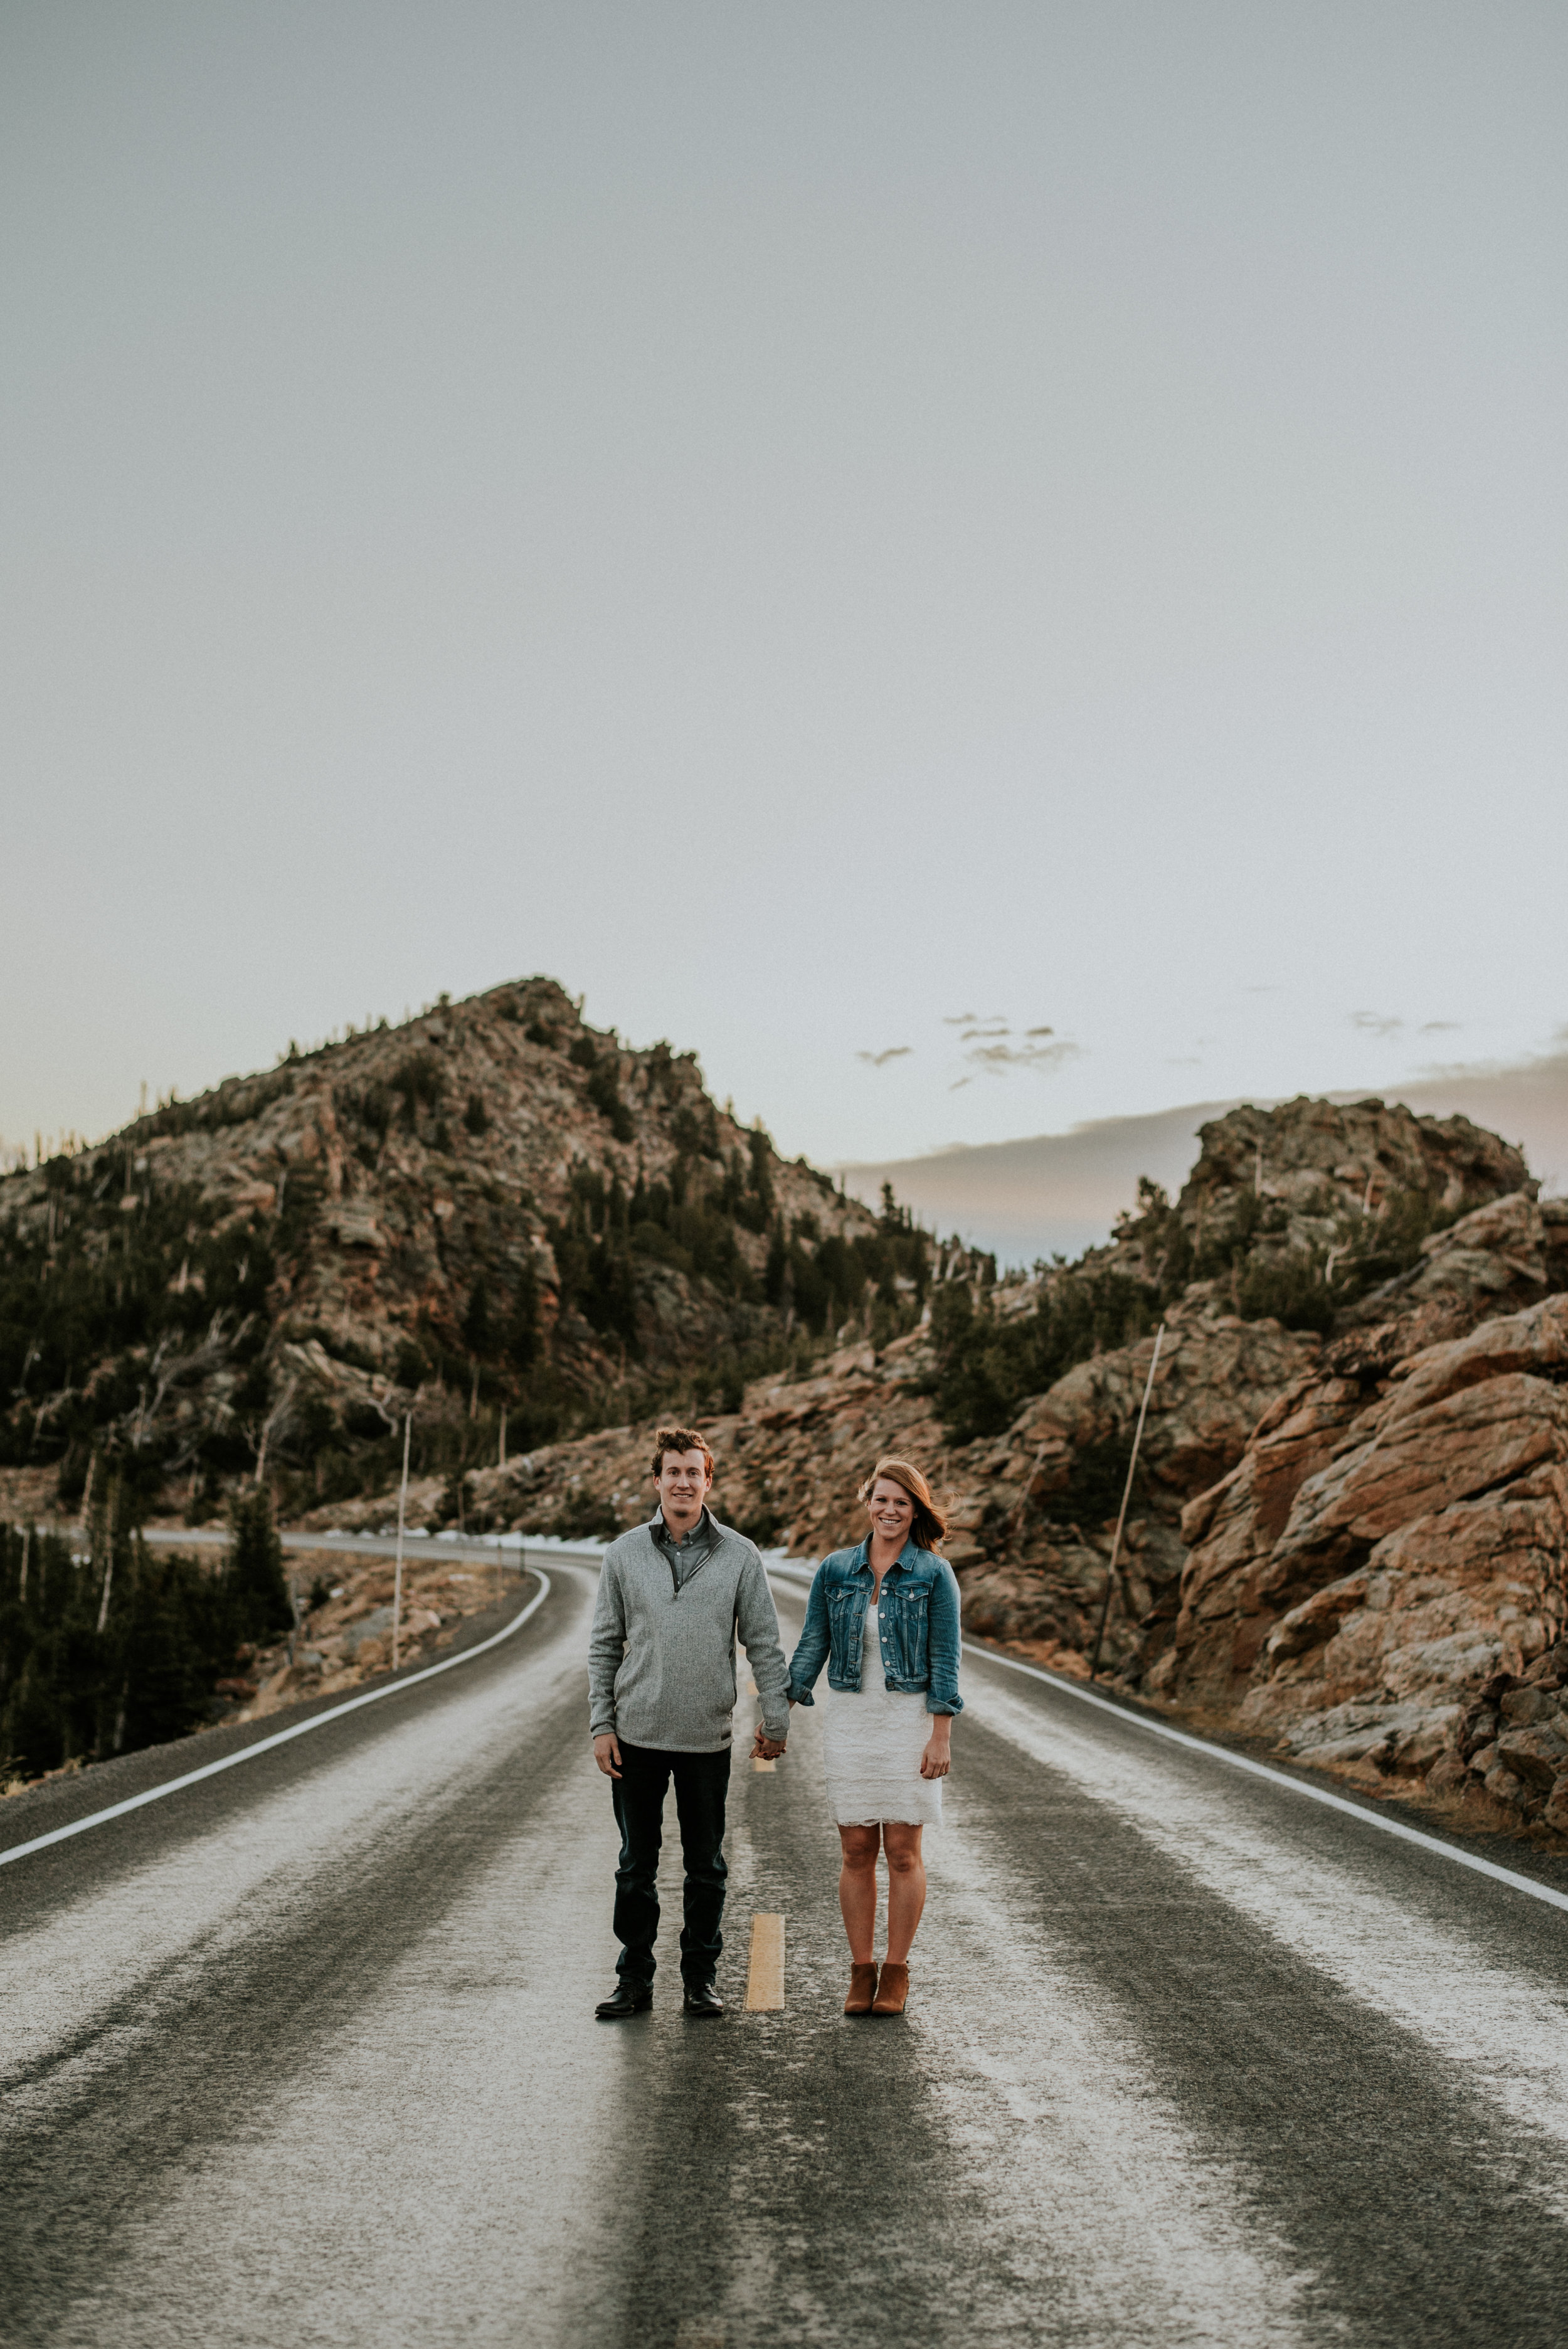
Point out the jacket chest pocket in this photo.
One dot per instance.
(910, 1622)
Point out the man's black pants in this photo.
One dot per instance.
(702, 1781)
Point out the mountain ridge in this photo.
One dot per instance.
(495, 1206)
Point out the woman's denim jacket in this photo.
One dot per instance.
(917, 1616)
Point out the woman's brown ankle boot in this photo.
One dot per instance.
(893, 1989)
(863, 1989)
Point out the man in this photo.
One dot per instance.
(661, 1683)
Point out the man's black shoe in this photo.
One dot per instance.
(701, 1998)
(631, 1998)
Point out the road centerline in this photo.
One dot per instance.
(765, 1966)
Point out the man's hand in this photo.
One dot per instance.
(766, 1749)
(607, 1753)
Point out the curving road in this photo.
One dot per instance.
(303, 2053)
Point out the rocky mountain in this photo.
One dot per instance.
(1349, 1529)
(1349, 1538)
(495, 1209)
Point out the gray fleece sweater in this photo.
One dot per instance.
(661, 1659)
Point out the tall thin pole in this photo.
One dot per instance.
(88, 1493)
(1126, 1497)
(402, 1513)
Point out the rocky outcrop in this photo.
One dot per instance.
(1506, 1254)
(1320, 1161)
(1307, 1206)
(1389, 1559)
(1044, 1499)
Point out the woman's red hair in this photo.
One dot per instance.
(930, 1527)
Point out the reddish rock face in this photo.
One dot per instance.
(1381, 1557)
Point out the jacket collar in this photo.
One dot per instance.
(908, 1556)
(704, 1533)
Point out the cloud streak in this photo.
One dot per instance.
(880, 1059)
(1378, 1023)
(995, 1058)
(994, 1047)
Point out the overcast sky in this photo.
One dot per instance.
(1027, 540)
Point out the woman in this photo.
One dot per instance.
(884, 1619)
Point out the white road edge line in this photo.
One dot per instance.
(1065, 1687)
(282, 1736)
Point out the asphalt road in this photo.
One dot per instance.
(305, 2054)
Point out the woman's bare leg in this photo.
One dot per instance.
(858, 1889)
(905, 1886)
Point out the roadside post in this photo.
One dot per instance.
(1126, 1497)
(402, 1513)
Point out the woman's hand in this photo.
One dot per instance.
(937, 1759)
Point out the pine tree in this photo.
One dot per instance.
(476, 1320)
(522, 1340)
(253, 1584)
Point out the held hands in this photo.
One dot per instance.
(607, 1753)
(763, 1749)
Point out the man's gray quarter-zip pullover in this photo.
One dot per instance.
(661, 1655)
(686, 1553)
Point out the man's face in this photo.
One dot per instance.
(685, 1479)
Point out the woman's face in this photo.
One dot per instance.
(893, 1511)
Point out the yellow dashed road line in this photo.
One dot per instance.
(765, 1971)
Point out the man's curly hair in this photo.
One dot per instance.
(680, 1439)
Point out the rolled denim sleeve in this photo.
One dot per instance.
(811, 1647)
(945, 1642)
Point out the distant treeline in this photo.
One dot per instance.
(690, 1222)
(120, 1648)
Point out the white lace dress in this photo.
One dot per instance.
(872, 1739)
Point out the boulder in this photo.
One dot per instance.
(1535, 1755)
